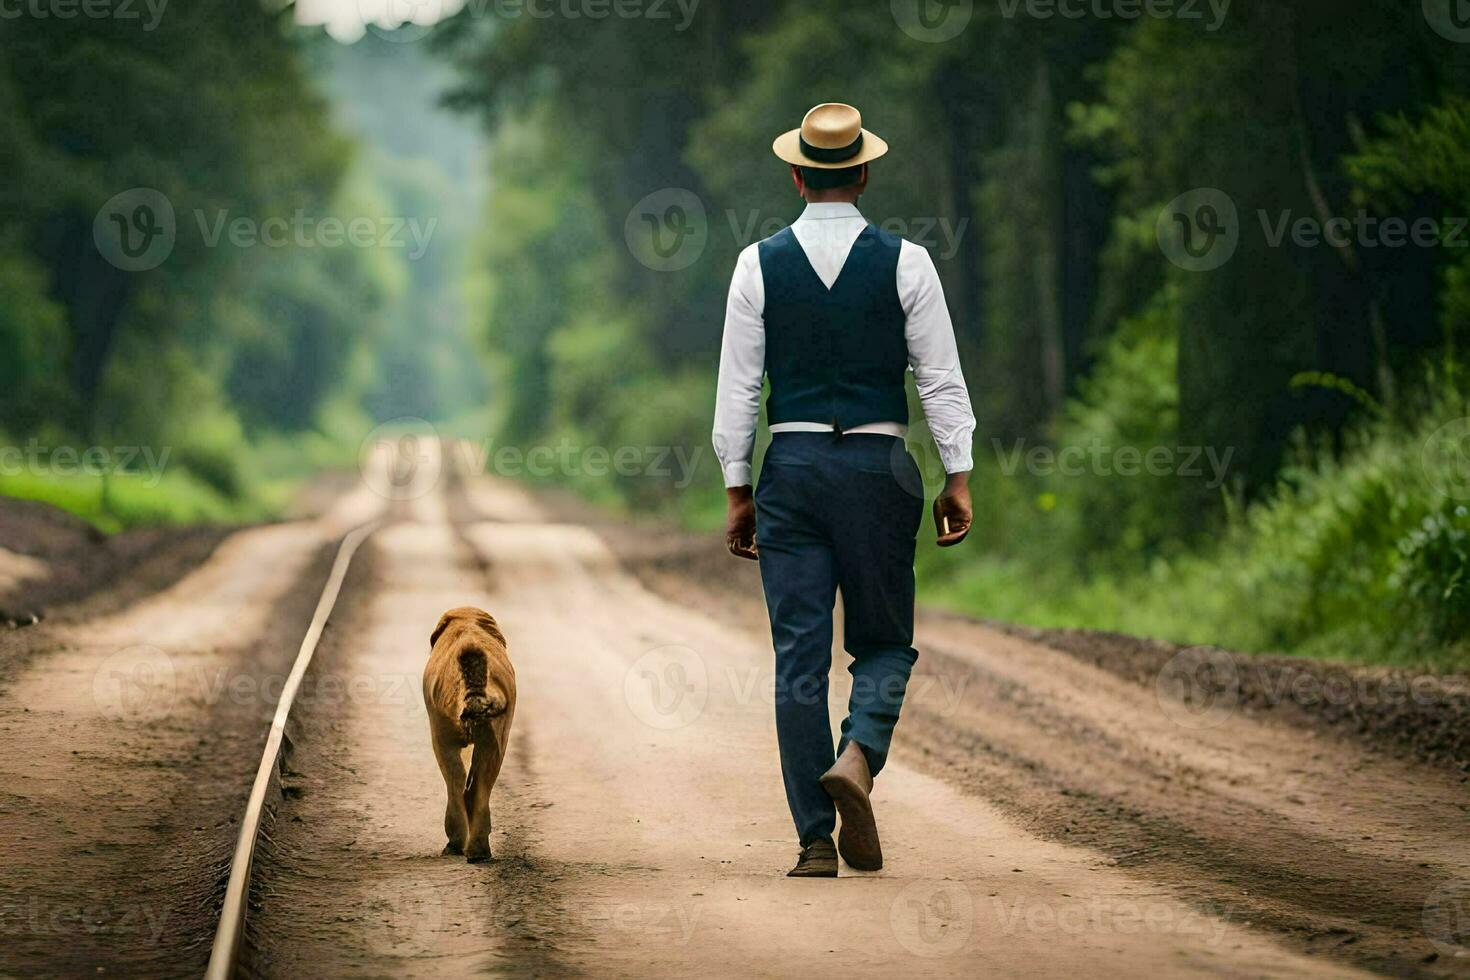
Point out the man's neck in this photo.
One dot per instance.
(837, 195)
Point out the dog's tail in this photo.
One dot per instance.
(479, 705)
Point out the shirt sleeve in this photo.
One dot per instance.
(935, 359)
(742, 370)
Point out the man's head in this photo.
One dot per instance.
(819, 186)
(829, 153)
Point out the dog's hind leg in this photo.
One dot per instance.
(484, 767)
(451, 766)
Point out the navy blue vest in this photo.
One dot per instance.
(838, 355)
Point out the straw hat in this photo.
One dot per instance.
(831, 137)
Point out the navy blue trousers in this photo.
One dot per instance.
(836, 513)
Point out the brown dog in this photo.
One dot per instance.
(470, 691)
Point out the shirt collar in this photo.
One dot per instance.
(826, 212)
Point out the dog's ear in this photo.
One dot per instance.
(444, 621)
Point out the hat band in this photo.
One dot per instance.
(837, 155)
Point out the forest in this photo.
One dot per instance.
(1209, 267)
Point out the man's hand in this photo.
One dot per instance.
(952, 512)
(740, 523)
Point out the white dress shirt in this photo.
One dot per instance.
(826, 233)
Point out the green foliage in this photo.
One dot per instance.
(1051, 148)
(221, 346)
(1129, 404)
(1433, 577)
(1425, 159)
(1356, 555)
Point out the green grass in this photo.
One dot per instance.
(1362, 556)
(134, 500)
(244, 484)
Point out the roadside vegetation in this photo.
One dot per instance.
(1039, 160)
(208, 385)
(1265, 446)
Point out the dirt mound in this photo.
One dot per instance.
(49, 558)
(1425, 715)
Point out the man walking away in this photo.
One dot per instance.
(834, 311)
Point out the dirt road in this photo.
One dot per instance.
(1041, 816)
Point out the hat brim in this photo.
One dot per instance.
(788, 148)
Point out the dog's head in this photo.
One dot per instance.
(479, 618)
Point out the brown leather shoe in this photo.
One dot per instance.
(849, 782)
(818, 860)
